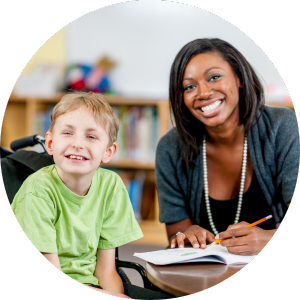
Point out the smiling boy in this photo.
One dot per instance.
(75, 212)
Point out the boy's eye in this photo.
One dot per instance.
(67, 133)
(91, 137)
(189, 87)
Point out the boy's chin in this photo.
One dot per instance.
(77, 171)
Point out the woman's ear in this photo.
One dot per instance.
(109, 153)
(49, 143)
(240, 84)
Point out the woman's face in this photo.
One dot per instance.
(211, 89)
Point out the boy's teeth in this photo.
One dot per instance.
(211, 107)
(76, 157)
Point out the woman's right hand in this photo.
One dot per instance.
(196, 235)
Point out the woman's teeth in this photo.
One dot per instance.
(211, 107)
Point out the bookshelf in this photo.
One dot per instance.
(19, 121)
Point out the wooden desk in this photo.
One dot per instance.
(184, 279)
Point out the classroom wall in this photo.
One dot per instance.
(53, 51)
(143, 37)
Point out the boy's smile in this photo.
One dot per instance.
(76, 157)
(78, 145)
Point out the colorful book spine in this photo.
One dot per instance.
(138, 133)
(43, 120)
(135, 184)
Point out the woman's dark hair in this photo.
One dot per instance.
(251, 95)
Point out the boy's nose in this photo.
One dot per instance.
(77, 143)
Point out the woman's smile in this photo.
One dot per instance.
(211, 108)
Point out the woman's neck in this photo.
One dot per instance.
(229, 136)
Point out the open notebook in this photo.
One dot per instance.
(212, 253)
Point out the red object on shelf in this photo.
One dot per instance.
(78, 85)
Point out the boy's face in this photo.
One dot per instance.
(78, 144)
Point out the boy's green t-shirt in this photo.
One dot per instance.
(56, 220)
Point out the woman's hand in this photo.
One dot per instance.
(247, 241)
(196, 235)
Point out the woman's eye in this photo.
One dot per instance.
(67, 133)
(189, 87)
(91, 137)
(214, 77)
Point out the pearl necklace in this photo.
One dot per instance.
(206, 191)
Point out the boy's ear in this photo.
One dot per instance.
(109, 153)
(49, 143)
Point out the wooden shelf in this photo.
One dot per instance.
(56, 98)
(276, 104)
(111, 99)
(131, 164)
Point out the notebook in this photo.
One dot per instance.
(212, 253)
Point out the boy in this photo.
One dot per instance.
(74, 212)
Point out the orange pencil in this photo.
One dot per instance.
(250, 225)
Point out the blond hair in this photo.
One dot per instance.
(96, 105)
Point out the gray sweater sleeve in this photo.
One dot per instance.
(287, 152)
(274, 148)
(172, 206)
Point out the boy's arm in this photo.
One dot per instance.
(53, 258)
(106, 272)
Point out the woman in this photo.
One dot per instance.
(230, 160)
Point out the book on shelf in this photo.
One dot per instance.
(138, 133)
(136, 192)
(134, 183)
(212, 253)
(43, 120)
(147, 202)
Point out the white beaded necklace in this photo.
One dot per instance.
(206, 191)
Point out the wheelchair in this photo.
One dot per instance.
(18, 164)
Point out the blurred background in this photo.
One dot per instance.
(125, 51)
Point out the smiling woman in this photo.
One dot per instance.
(209, 77)
(230, 157)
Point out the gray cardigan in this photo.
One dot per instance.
(274, 148)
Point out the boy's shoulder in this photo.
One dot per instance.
(39, 185)
(108, 179)
(39, 182)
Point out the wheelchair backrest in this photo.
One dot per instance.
(17, 166)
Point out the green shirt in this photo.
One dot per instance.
(56, 220)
